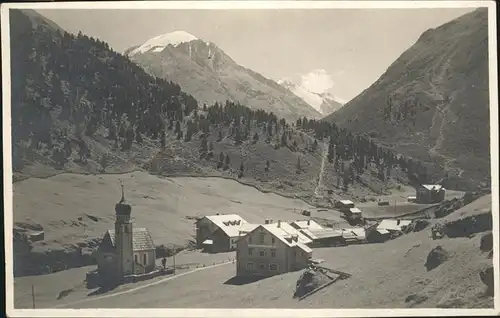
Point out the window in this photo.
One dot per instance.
(250, 265)
(136, 258)
(250, 251)
(262, 266)
(273, 240)
(250, 239)
(273, 253)
(295, 253)
(262, 253)
(262, 238)
(273, 267)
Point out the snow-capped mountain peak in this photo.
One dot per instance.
(314, 88)
(158, 43)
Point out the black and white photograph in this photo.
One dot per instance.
(230, 156)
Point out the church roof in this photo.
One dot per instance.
(141, 239)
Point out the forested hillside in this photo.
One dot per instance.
(433, 103)
(79, 106)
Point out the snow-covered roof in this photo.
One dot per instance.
(308, 234)
(208, 242)
(326, 233)
(247, 228)
(393, 225)
(292, 231)
(284, 236)
(346, 202)
(355, 210)
(354, 233)
(308, 224)
(382, 231)
(159, 42)
(432, 186)
(229, 223)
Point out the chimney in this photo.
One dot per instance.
(399, 221)
(308, 222)
(279, 223)
(266, 221)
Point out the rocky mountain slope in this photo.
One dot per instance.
(432, 103)
(205, 71)
(313, 88)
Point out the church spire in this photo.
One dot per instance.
(122, 207)
(123, 193)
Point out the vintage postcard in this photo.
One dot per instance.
(250, 158)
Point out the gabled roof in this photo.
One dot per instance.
(432, 186)
(313, 225)
(284, 236)
(230, 224)
(327, 233)
(293, 231)
(141, 239)
(392, 225)
(346, 202)
(355, 210)
(354, 233)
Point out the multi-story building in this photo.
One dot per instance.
(219, 233)
(269, 250)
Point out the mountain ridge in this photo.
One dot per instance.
(205, 71)
(432, 102)
(318, 97)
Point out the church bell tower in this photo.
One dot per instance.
(124, 237)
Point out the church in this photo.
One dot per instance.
(125, 251)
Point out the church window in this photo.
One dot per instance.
(136, 258)
(145, 259)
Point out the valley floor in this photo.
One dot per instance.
(388, 274)
(391, 273)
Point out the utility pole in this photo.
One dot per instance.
(174, 261)
(33, 295)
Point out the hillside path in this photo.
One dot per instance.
(441, 113)
(322, 169)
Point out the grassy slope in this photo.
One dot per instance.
(160, 204)
(183, 158)
(450, 61)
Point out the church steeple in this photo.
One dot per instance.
(122, 207)
(124, 236)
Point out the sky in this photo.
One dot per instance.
(350, 48)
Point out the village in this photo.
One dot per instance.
(127, 254)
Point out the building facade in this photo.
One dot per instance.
(269, 250)
(429, 193)
(125, 250)
(220, 233)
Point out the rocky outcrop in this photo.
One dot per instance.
(309, 281)
(468, 226)
(486, 242)
(436, 257)
(416, 226)
(487, 277)
(415, 299)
